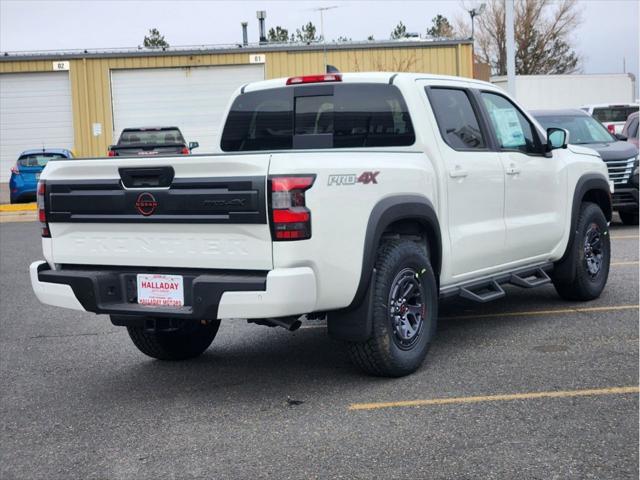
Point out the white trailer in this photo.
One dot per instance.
(571, 91)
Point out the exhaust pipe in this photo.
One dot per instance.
(289, 323)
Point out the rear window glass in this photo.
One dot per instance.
(613, 114)
(38, 160)
(351, 116)
(456, 119)
(151, 137)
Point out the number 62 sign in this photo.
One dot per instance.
(61, 65)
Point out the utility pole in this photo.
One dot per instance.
(511, 48)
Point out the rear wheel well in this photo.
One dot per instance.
(600, 198)
(419, 231)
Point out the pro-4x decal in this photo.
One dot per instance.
(352, 178)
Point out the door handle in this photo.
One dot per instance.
(458, 172)
(513, 170)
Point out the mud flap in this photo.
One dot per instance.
(354, 325)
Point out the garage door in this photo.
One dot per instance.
(35, 111)
(192, 99)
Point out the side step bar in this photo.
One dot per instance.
(482, 293)
(490, 288)
(530, 279)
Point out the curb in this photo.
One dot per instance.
(25, 207)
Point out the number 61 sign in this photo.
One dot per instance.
(257, 58)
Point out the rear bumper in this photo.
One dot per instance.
(208, 294)
(21, 191)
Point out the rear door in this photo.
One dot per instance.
(191, 212)
(475, 182)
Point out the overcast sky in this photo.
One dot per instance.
(608, 34)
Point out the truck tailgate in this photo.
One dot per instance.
(205, 212)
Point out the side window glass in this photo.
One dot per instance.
(370, 115)
(513, 130)
(456, 119)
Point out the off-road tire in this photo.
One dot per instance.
(629, 217)
(187, 342)
(585, 285)
(381, 354)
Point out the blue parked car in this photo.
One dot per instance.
(26, 172)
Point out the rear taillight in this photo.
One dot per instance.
(185, 151)
(42, 210)
(112, 153)
(331, 77)
(290, 218)
(611, 128)
(15, 169)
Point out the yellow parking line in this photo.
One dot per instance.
(546, 312)
(496, 398)
(18, 207)
(619, 264)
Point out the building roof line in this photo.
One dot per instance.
(220, 49)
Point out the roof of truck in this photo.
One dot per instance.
(369, 77)
(609, 105)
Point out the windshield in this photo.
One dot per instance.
(582, 128)
(167, 136)
(37, 159)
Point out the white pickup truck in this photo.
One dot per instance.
(362, 197)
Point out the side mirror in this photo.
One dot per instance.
(620, 137)
(193, 145)
(557, 138)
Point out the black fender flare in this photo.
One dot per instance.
(353, 322)
(590, 182)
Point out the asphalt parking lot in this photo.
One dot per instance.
(527, 387)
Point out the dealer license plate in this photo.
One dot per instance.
(161, 290)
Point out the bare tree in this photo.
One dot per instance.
(543, 30)
(407, 64)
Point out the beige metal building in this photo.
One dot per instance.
(82, 100)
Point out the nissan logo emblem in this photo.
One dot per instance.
(146, 204)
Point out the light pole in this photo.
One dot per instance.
(510, 47)
(473, 13)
